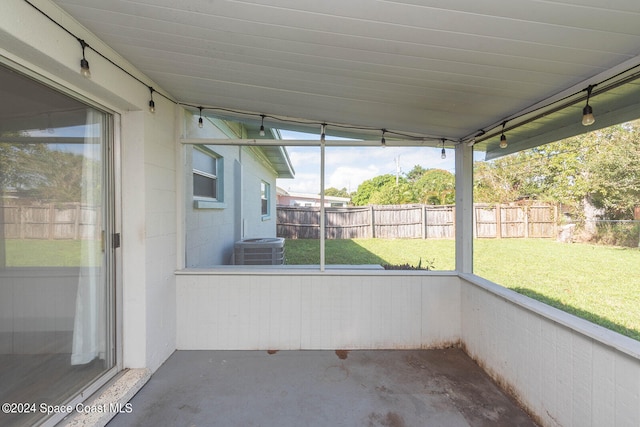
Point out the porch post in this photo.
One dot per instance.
(464, 208)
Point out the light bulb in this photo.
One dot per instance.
(587, 116)
(444, 154)
(152, 106)
(200, 123)
(84, 68)
(503, 141)
(84, 64)
(262, 116)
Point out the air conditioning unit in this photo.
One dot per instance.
(259, 251)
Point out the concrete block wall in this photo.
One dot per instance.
(565, 370)
(293, 310)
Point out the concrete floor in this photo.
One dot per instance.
(322, 388)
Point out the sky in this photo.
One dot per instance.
(348, 167)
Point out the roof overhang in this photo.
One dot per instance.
(614, 100)
(279, 160)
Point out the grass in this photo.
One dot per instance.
(44, 253)
(598, 283)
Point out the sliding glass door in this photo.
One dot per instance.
(57, 307)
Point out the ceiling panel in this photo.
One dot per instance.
(442, 69)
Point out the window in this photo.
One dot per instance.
(207, 177)
(265, 199)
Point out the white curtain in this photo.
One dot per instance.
(89, 330)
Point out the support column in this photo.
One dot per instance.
(464, 209)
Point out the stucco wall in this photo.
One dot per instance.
(210, 232)
(256, 171)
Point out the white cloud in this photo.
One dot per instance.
(348, 167)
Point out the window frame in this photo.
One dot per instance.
(265, 200)
(217, 176)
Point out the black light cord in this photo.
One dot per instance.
(561, 103)
(152, 90)
(87, 45)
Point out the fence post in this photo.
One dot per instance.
(423, 220)
(3, 239)
(526, 221)
(373, 225)
(52, 219)
(453, 216)
(474, 221)
(498, 222)
(76, 226)
(21, 222)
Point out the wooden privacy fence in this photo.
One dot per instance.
(51, 221)
(519, 221)
(414, 222)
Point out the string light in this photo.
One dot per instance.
(200, 122)
(587, 111)
(503, 138)
(152, 105)
(383, 141)
(84, 64)
(472, 141)
(322, 132)
(443, 154)
(262, 116)
(588, 119)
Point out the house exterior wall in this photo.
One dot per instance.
(256, 169)
(210, 232)
(146, 162)
(294, 310)
(565, 370)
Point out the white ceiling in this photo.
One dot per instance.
(438, 68)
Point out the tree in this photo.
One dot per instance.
(614, 170)
(414, 174)
(392, 194)
(367, 188)
(436, 187)
(34, 171)
(600, 169)
(334, 192)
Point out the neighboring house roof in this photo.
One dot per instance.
(311, 196)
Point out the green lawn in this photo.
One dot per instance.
(598, 283)
(47, 253)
